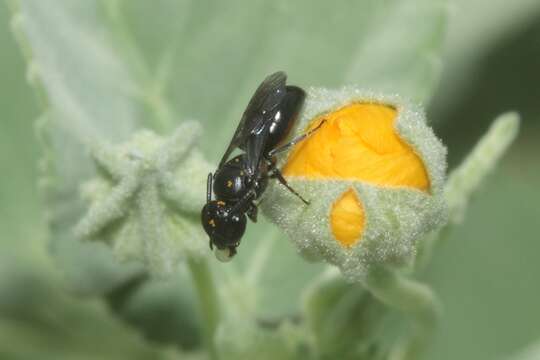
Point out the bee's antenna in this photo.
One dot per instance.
(209, 188)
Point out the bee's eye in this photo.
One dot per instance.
(223, 255)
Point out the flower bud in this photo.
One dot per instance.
(373, 173)
(146, 197)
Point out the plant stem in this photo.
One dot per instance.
(468, 176)
(411, 297)
(208, 300)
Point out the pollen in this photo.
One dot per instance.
(212, 223)
(221, 203)
(229, 183)
(357, 142)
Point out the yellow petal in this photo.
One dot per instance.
(347, 218)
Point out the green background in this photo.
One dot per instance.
(487, 273)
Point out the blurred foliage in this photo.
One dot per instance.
(487, 271)
(40, 321)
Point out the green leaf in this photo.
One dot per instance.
(39, 321)
(213, 55)
(88, 97)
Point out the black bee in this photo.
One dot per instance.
(239, 182)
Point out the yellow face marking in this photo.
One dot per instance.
(212, 223)
(229, 183)
(221, 203)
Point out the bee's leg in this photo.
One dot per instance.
(244, 204)
(252, 212)
(277, 175)
(211, 245)
(294, 141)
(274, 173)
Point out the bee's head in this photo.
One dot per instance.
(224, 228)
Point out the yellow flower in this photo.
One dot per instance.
(357, 142)
(374, 174)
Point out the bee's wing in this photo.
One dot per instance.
(252, 131)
